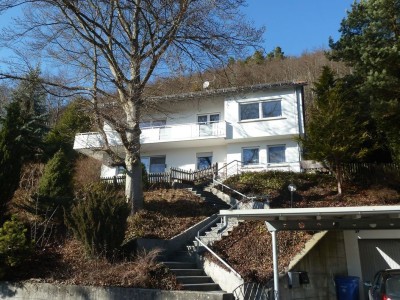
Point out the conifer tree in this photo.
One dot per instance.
(337, 130)
(369, 43)
(11, 154)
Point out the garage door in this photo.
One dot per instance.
(378, 254)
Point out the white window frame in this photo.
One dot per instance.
(260, 110)
(208, 115)
(251, 148)
(276, 146)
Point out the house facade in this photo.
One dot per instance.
(253, 125)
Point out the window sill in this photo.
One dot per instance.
(261, 120)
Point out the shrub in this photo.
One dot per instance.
(56, 179)
(98, 219)
(15, 247)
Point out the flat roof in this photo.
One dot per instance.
(323, 218)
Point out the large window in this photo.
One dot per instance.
(207, 124)
(276, 154)
(154, 164)
(250, 156)
(260, 110)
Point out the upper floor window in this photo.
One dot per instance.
(251, 156)
(208, 118)
(276, 154)
(153, 123)
(260, 110)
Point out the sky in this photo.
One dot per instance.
(296, 26)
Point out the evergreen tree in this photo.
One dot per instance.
(31, 97)
(369, 42)
(72, 121)
(56, 179)
(336, 131)
(11, 154)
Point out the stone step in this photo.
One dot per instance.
(188, 272)
(201, 287)
(194, 279)
(180, 264)
(188, 255)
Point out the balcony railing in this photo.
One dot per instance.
(167, 133)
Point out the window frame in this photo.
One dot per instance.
(269, 153)
(208, 116)
(250, 163)
(260, 110)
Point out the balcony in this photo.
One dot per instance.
(169, 133)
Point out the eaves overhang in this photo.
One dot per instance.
(323, 218)
(227, 91)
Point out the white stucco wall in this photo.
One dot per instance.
(287, 124)
(185, 158)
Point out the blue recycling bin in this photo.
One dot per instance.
(347, 287)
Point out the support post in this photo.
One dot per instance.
(273, 232)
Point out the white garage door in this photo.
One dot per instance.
(378, 254)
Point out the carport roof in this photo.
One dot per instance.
(323, 218)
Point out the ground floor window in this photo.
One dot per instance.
(154, 164)
(204, 160)
(276, 154)
(250, 156)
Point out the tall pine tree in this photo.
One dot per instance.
(11, 153)
(370, 43)
(337, 129)
(31, 97)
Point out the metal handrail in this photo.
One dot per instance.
(219, 258)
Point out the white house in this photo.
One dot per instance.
(255, 125)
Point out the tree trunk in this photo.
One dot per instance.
(339, 178)
(133, 183)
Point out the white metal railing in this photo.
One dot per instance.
(167, 133)
(217, 257)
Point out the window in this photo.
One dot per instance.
(276, 154)
(208, 118)
(154, 164)
(206, 127)
(250, 156)
(204, 160)
(271, 109)
(260, 110)
(153, 124)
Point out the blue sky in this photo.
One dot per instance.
(294, 25)
(298, 25)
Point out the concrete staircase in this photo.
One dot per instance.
(204, 192)
(184, 263)
(188, 274)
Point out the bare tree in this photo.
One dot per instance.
(115, 48)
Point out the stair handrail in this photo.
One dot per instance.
(219, 258)
(215, 181)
